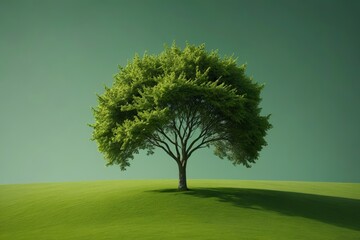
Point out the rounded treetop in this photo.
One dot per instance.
(181, 100)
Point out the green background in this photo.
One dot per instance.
(56, 55)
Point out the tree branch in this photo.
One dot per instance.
(176, 145)
(192, 122)
(162, 132)
(203, 144)
(177, 130)
(202, 134)
(156, 141)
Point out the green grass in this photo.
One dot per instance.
(213, 209)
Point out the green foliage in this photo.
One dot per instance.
(181, 101)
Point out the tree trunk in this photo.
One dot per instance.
(182, 178)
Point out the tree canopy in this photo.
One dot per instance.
(181, 100)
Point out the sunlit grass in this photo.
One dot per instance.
(149, 209)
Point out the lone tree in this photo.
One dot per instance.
(180, 101)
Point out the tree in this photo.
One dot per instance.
(180, 101)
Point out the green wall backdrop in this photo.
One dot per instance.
(55, 55)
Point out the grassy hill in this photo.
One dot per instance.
(149, 209)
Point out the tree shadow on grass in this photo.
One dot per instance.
(342, 212)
